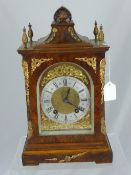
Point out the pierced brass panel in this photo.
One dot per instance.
(84, 123)
(64, 70)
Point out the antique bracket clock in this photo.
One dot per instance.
(64, 81)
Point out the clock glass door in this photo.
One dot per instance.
(65, 100)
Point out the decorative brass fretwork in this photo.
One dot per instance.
(102, 78)
(64, 70)
(26, 75)
(90, 61)
(84, 123)
(67, 158)
(73, 34)
(103, 126)
(30, 130)
(36, 62)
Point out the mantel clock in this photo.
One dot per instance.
(64, 81)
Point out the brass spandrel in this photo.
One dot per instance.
(102, 78)
(90, 61)
(36, 62)
(26, 75)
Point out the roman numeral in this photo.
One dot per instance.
(46, 101)
(65, 82)
(84, 99)
(81, 90)
(74, 84)
(56, 116)
(49, 109)
(81, 108)
(55, 85)
(49, 92)
(75, 115)
(66, 118)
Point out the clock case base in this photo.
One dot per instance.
(99, 152)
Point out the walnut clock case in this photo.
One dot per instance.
(64, 81)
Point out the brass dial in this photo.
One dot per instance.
(65, 100)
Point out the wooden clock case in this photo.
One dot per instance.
(63, 44)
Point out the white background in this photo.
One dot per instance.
(116, 19)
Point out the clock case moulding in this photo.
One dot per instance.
(63, 44)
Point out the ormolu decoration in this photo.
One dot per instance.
(90, 61)
(102, 77)
(84, 123)
(64, 81)
(64, 70)
(26, 74)
(52, 35)
(73, 34)
(36, 62)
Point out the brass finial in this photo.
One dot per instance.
(24, 38)
(101, 34)
(30, 33)
(96, 31)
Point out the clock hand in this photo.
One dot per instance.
(76, 107)
(71, 103)
(66, 98)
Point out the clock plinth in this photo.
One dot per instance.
(64, 81)
(99, 152)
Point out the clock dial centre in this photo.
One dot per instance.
(65, 100)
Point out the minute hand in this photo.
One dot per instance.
(72, 104)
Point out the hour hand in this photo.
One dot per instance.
(66, 97)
